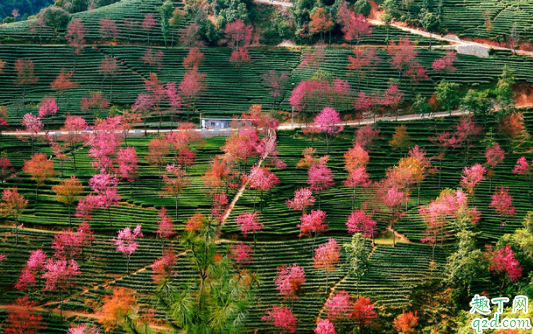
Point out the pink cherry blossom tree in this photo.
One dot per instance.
(471, 177)
(360, 222)
(104, 186)
(502, 202)
(445, 64)
(166, 229)
(32, 271)
(147, 24)
(126, 242)
(48, 107)
(109, 68)
(339, 306)
(59, 275)
(357, 178)
(175, 183)
(320, 178)
(32, 126)
(75, 36)
(303, 198)
(164, 267)
(392, 198)
(313, 223)
(128, 165)
(325, 326)
(466, 131)
(262, 179)
(329, 122)
(523, 168)
(495, 156)
(289, 280)
(281, 318)
(104, 142)
(241, 254)
(72, 133)
(503, 263)
(249, 222)
(326, 257)
(276, 83)
(84, 329)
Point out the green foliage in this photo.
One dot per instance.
(216, 300)
(8, 19)
(166, 11)
(357, 257)
(448, 94)
(55, 17)
(476, 102)
(301, 12)
(362, 7)
(521, 240)
(465, 265)
(504, 88)
(430, 22)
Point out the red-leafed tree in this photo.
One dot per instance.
(75, 36)
(147, 24)
(303, 198)
(289, 281)
(466, 131)
(249, 222)
(190, 89)
(153, 58)
(48, 108)
(312, 224)
(321, 23)
(276, 83)
(158, 150)
(96, 102)
(355, 28)
(523, 168)
(25, 75)
(263, 180)
(363, 64)
(329, 122)
(166, 229)
(503, 263)
(320, 178)
(442, 141)
(406, 322)
(194, 59)
(109, 68)
(41, 169)
(326, 257)
(281, 318)
(62, 83)
(402, 54)
(5, 168)
(445, 64)
(392, 98)
(59, 276)
(109, 30)
(126, 242)
(23, 319)
(241, 254)
(495, 155)
(502, 202)
(339, 306)
(471, 177)
(128, 164)
(363, 314)
(239, 37)
(72, 133)
(175, 183)
(324, 326)
(164, 267)
(360, 222)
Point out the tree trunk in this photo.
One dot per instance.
(128, 266)
(440, 172)
(176, 207)
(69, 217)
(419, 193)
(353, 199)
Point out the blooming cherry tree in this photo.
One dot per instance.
(289, 280)
(241, 254)
(503, 263)
(339, 306)
(303, 198)
(326, 256)
(502, 202)
(59, 275)
(328, 121)
(166, 229)
(40, 168)
(319, 178)
(126, 242)
(523, 168)
(175, 183)
(360, 222)
(248, 222)
(163, 268)
(324, 326)
(495, 156)
(313, 224)
(281, 318)
(471, 177)
(363, 313)
(262, 179)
